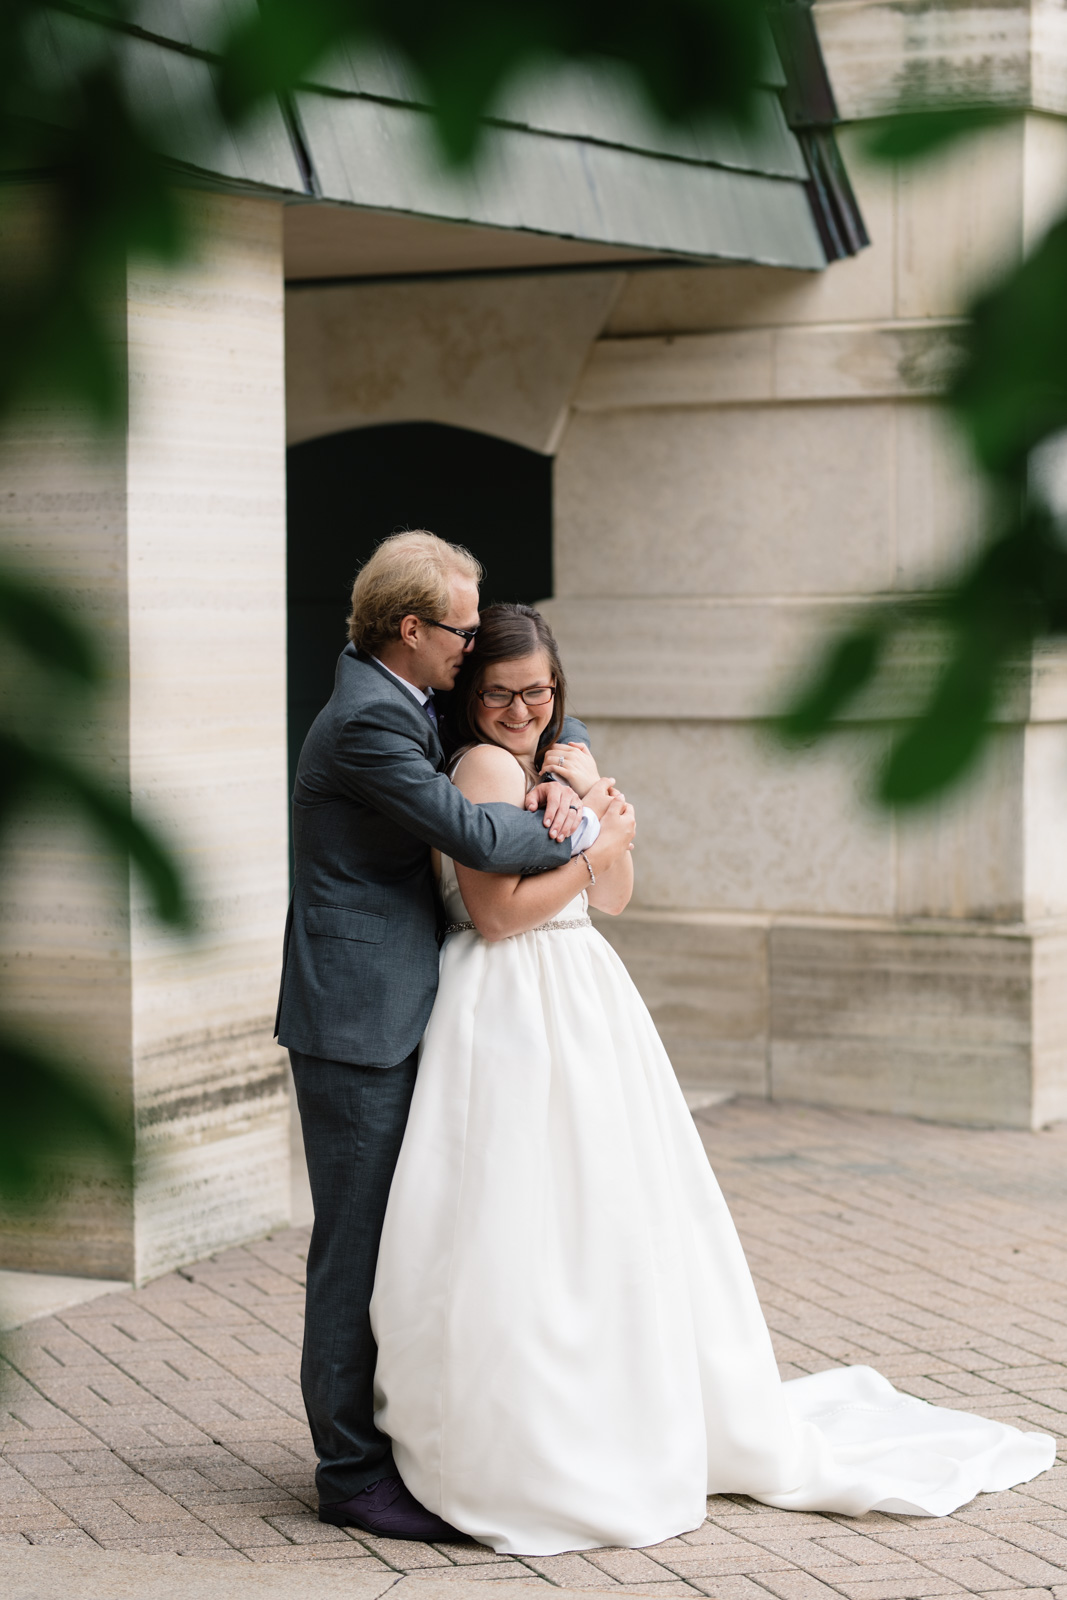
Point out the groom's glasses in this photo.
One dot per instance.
(468, 635)
(539, 694)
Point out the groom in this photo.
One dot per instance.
(359, 969)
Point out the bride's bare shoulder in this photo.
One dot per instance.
(488, 772)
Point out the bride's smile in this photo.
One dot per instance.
(516, 704)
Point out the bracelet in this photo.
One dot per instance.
(588, 868)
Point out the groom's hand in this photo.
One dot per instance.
(563, 808)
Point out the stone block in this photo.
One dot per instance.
(685, 658)
(729, 501)
(940, 510)
(739, 660)
(62, 900)
(959, 222)
(1048, 686)
(871, 361)
(963, 856)
(500, 356)
(704, 980)
(730, 824)
(1043, 806)
(933, 1024)
(753, 365)
(948, 1023)
(877, 49)
(239, 1199)
(679, 369)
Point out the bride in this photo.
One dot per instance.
(571, 1352)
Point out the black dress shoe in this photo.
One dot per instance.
(388, 1507)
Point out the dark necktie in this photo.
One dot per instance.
(431, 713)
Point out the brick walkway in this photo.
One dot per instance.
(169, 1420)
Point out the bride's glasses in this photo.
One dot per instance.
(539, 694)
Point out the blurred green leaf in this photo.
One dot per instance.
(847, 667)
(275, 45)
(49, 1111)
(66, 121)
(45, 629)
(689, 57)
(970, 640)
(913, 135)
(1015, 588)
(941, 744)
(111, 815)
(1011, 391)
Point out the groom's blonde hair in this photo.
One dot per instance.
(408, 575)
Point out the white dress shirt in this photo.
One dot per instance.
(588, 830)
(423, 696)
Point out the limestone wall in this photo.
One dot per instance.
(752, 454)
(172, 543)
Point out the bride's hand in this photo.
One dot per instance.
(600, 796)
(573, 763)
(617, 828)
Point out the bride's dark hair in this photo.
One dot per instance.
(505, 633)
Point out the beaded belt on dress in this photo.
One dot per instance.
(543, 927)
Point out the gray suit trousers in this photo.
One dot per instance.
(353, 1122)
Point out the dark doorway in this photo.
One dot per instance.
(347, 491)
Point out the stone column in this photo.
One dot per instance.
(752, 452)
(171, 543)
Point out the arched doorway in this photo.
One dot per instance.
(348, 490)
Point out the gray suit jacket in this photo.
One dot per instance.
(359, 969)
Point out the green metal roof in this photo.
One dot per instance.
(570, 155)
(369, 154)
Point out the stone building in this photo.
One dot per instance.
(654, 380)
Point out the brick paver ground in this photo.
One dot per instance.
(169, 1419)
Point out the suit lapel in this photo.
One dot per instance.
(435, 750)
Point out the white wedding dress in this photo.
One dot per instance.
(571, 1352)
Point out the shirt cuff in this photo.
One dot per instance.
(587, 832)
